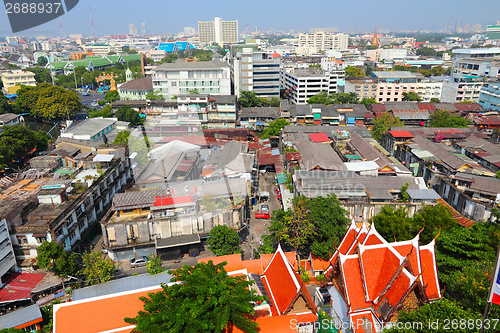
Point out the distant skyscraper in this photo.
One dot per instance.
(131, 29)
(143, 29)
(189, 31)
(218, 31)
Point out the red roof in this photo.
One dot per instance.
(401, 134)
(487, 120)
(276, 55)
(378, 108)
(426, 106)
(292, 157)
(169, 200)
(19, 285)
(429, 271)
(319, 137)
(468, 107)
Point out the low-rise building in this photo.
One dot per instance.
(13, 80)
(257, 117)
(458, 89)
(136, 89)
(95, 129)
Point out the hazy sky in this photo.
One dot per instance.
(163, 16)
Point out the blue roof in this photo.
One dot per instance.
(167, 47)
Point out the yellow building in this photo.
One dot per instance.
(13, 80)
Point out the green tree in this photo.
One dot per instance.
(266, 246)
(12, 330)
(126, 113)
(105, 112)
(320, 98)
(41, 61)
(368, 101)
(97, 268)
(52, 256)
(224, 240)
(274, 128)
(4, 103)
(292, 227)
(140, 145)
(248, 99)
(154, 95)
(112, 96)
(47, 101)
(498, 174)
(429, 313)
(351, 71)
(47, 324)
(404, 195)
(330, 221)
(437, 70)
(122, 137)
(194, 91)
(154, 265)
(426, 52)
(443, 118)
(207, 300)
(383, 124)
(41, 74)
(17, 141)
(435, 100)
(411, 97)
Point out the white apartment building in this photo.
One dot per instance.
(458, 89)
(180, 77)
(218, 31)
(12, 80)
(428, 89)
(482, 67)
(302, 84)
(102, 49)
(256, 71)
(365, 87)
(311, 43)
(7, 257)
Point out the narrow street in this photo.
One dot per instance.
(259, 227)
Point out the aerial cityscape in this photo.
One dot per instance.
(233, 167)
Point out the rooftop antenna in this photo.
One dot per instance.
(92, 23)
(62, 32)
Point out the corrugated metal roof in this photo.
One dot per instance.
(411, 114)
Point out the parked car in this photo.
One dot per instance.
(264, 208)
(138, 262)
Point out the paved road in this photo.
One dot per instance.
(89, 99)
(259, 227)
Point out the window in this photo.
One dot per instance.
(22, 239)
(173, 84)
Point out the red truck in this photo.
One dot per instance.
(262, 215)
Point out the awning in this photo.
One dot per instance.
(259, 123)
(164, 243)
(103, 158)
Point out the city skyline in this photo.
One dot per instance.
(393, 15)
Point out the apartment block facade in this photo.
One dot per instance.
(321, 41)
(7, 257)
(302, 84)
(218, 31)
(177, 78)
(489, 97)
(14, 79)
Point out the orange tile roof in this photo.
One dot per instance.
(378, 267)
(353, 282)
(319, 264)
(281, 324)
(107, 312)
(456, 215)
(281, 282)
(357, 320)
(399, 288)
(429, 271)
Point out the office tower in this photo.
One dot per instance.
(143, 29)
(131, 29)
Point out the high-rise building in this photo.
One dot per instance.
(143, 28)
(131, 29)
(189, 31)
(320, 41)
(254, 70)
(218, 31)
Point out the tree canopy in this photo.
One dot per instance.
(4, 103)
(52, 255)
(274, 128)
(17, 141)
(126, 113)
(336, 98)
(154, 95)
(112, 96)
(47, 101)
(383, 124)
(105, 112)
(224, 240)
(122, 137)
(411, 97)
(206, 300)
(351, 71)
(154, 265)
(97, 268)
(250, 99)
(315, 224)
(443, 118)
(41, 74)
